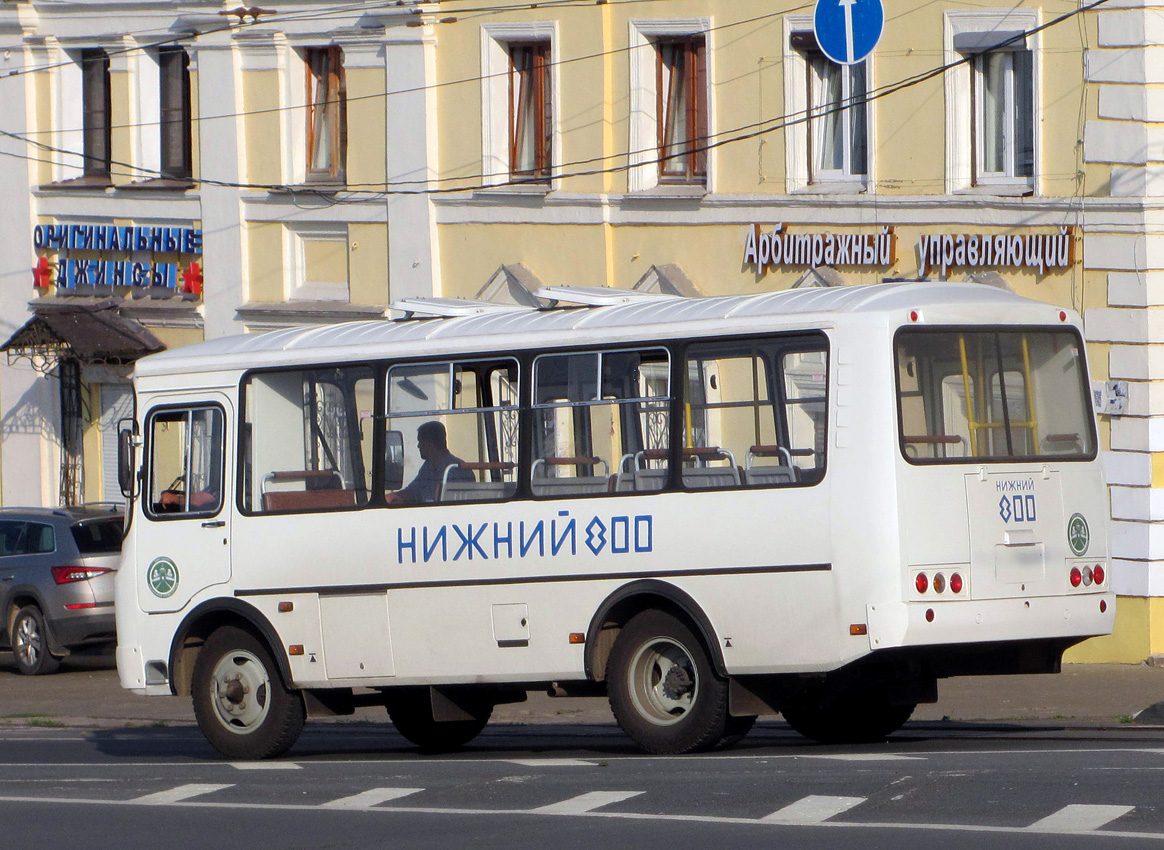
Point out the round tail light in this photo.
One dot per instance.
(956, 583)
(921, 583)
(1076, 577)
(1087, 576)
(939, 583)
(1098, 574)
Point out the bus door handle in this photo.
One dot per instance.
(218, 523)
(1019, 537)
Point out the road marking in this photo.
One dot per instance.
(1079, 818)
(553, 762)
(371, 797)
(265, 765)
(867, 757)
(652, 818)
(813, 809)
(176, 795)
(587, 802)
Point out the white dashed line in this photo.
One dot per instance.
(1079, 818)
(264, 765)
(585, 802)
(553, 762)
(813, 809)
(371, 797)
(176, 795)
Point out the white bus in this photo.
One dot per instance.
(814, 502)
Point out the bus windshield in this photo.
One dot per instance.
(966, 395)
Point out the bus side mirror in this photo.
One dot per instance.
(125, 462)
(393, 460)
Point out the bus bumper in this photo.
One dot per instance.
(136, 675)
(895, 624)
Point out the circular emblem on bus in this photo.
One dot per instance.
(1078, 536)
(162, 577)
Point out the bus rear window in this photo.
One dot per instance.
(966, 395)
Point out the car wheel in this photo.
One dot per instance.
(663, 689)
(30, 643)
(240, 702)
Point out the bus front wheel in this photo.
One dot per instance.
(240, 702)
(663, 690)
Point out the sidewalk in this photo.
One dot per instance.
(86, 693)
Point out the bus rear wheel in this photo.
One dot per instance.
(411, 714)
(663, 690)
(851, 718)
(240, 702)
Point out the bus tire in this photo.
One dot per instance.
(853, 719)
(411, 714)
(240, 702)
(663, 690)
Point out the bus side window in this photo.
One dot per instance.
(185, 451)
(601, 423)
(310, 444)
(457, 422)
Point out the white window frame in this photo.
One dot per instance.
(495, 41)
(960, 118)
(797, 151)
(643, 142)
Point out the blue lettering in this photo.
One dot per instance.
(620, 535)
(556, 543)
(525, 543)
(401, 545)
(470, 541)
(1030, 500)
(640, 523)
(438, 538)
(38, 239)
(595, 535)
(498, 540)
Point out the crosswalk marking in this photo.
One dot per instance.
(369, 798)
(1079, 818)
(813, 809)
(264, 765)
(585, 802)
(176, 795)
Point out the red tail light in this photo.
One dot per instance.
(921, 583)
(1076, 577)
(956, 583)
(1098, 574)
(67, 575)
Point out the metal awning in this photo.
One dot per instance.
(90, 330)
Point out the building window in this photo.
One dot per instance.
(531, 128)
(327, 136)
(681, 109)
(1003, 97)
(174, 97)
(837, 131)
(95, 97)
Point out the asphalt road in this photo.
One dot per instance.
(1020, 785)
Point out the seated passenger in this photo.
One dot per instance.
(431, 440)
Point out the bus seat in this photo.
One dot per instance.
(544, 485)
(307, 500)
(472, 490)
(712, 476)
(322, 488)
(766, 476)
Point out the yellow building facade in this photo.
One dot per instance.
(184, 171)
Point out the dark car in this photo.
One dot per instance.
(57, 567)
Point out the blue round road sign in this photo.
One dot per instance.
(848, 30)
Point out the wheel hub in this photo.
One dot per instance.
(677, 683)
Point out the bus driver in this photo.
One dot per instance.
(431, 440)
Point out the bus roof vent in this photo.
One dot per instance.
(429, 308)
(597, 296)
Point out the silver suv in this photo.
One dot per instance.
(57, 567)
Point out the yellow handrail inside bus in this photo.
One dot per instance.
(1031, 424)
